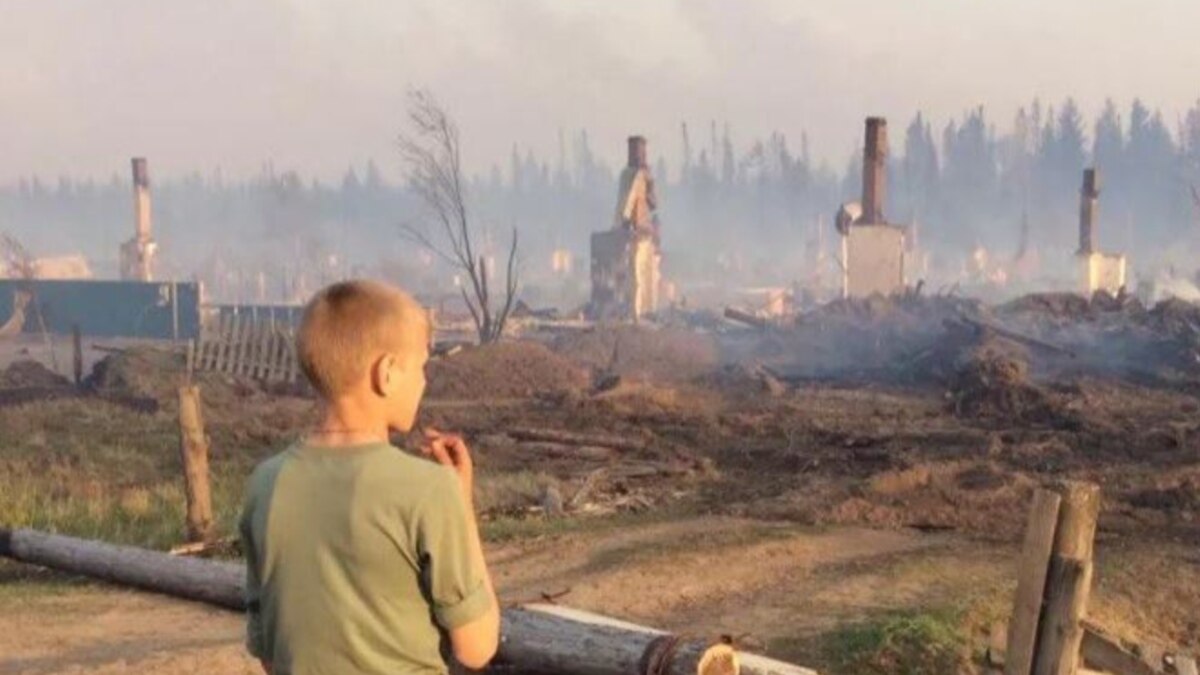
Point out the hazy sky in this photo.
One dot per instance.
(318, 84)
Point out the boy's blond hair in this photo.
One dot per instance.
(349, 324)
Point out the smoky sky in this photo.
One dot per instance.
(318, 85)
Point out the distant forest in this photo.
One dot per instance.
(754, 210)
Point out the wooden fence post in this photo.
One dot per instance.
(193, 451)
(1069, 581)
(1031, 582)
(77, 353)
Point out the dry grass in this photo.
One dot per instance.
(97, 470)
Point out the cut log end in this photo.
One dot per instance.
(718, 659)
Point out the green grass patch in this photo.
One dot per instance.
(900, 643)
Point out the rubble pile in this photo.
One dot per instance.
(503, 370)
(30, 374)
(913, 340)
(992, 381)
(874, 339)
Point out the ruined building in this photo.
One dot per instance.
(873, 250)
(137, 254)
(1098, 271)
(626, 259)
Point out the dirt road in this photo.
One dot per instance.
(768, 583)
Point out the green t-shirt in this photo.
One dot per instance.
(355, 557)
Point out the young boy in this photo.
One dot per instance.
(360, 557)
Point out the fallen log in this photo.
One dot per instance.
(571, 438)
(744, 317)
(216, 583)
(1021, 338)
(534, 638)
(749, 664)
(594, 453)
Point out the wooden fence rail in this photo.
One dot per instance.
(240, 345)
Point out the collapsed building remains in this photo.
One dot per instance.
(1098, 271)
(873, 250)
(626, 259)
(137, 254)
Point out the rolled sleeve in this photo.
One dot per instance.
(456, 586)
(470, 607)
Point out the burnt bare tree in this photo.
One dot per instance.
(15, 259)
(433, 163)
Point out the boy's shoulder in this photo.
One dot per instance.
(399, 467)
(388, 464)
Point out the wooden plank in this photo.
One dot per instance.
(281, 353)
(239, 343)
(202, 345)
(1102, 652)
(1186, 665)
(1031, 582)
(272, 354)
(217, 336)
(227, 333)
(253, 341)
(263, 361)
(293, 359)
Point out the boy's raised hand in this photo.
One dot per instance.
(452, 451)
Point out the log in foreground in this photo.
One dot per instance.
(216, 583)
(535, 638)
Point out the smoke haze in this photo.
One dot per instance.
(318, 85)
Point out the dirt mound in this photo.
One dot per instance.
(138, 371)
(992, 381)
(150, 374)
(505, 370)
(664, 354)
(27, 374)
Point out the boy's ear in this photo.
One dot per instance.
(382, 379)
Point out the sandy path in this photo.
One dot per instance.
(704, 575)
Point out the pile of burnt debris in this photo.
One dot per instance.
(987, 358)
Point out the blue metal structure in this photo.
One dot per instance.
(168, 310)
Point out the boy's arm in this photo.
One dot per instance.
(253, 593)
(473, 620)
(476, 642)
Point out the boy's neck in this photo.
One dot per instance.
(346, 422)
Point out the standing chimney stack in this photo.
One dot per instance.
(141, 199)
(1088, 197)
(137, 254)
(637, 152)
(875, 151)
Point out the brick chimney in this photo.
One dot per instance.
(141, 199)
(637, 152)
(875, 149)
(1089, 194)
